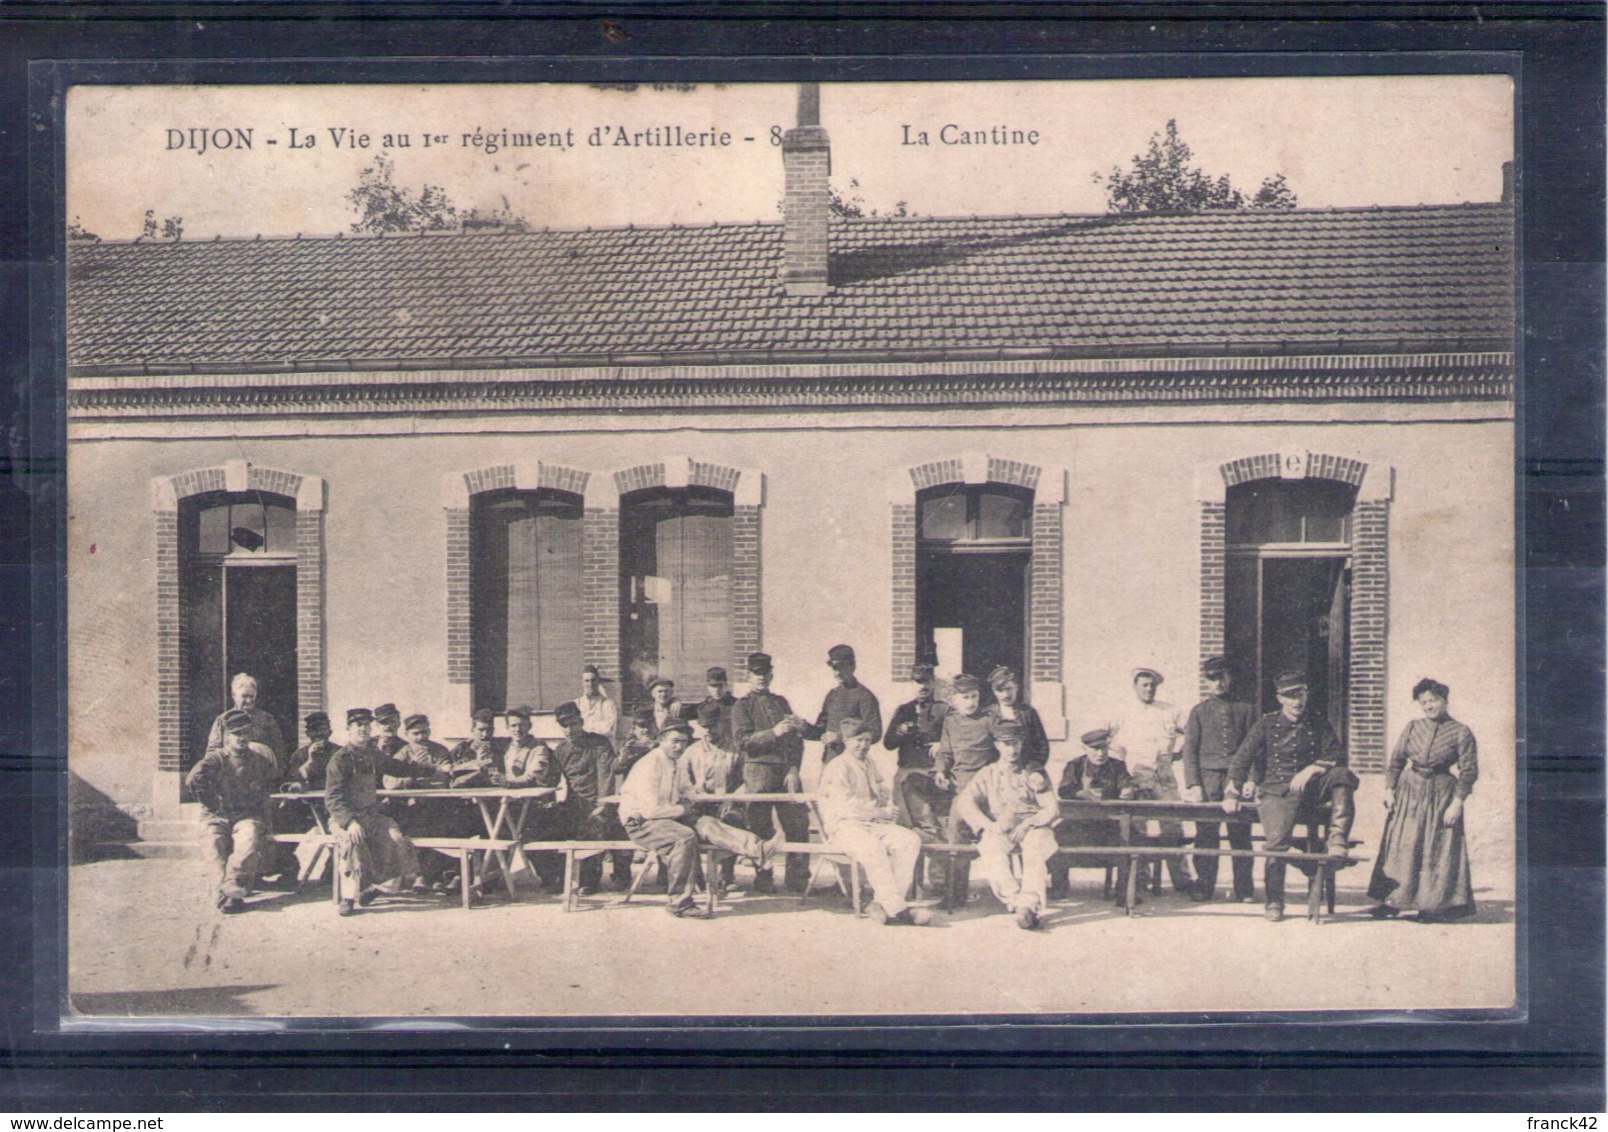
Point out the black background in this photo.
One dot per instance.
(1548, 1062)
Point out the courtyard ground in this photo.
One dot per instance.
(144, 941)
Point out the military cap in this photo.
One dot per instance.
(716, 675)
(1009, 730)
(1001, 676)
(358, 715)
(759, 663)
(485, 715)
(839, 654)
(417, 719)
(657, 680)
(965, 683)
(591, 670)
(849, 727)
(1213, 667)
(709, 712)
(1097, 738)
(675, 725)
(316, 719)
(235, 721)
(387, 711)
(1142, 670)
(921, 673)
(566, 712)
(520, 712)
(1292, 681)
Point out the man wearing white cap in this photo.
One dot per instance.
(1145, 733)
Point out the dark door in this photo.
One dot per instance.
(1293, 612)
(260, 636)
(984, 595)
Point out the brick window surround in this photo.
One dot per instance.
(1370, 574)
(1045, 630)
(236, 476)
(601, 554)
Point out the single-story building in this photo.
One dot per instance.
(448, 469)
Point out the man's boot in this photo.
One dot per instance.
(1342, 814)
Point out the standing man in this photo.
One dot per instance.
(766, 734)
(1216, 728)
(965, 746)
(719, 731)
(1007, 705)
(599, 712)
(915, 730)
(586, 760)
(1010, 806)
(233, 784)
(858, 814)
(370, 849)
(849, 700)
(1301, 766)
(657, 816)
(666, 708)
(1144, 735)
(262, 728)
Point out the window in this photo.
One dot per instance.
(1266, 512)
(526, 608)
(675, 586)
(237, 590)
(974, 555)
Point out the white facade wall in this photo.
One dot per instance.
(1131, 529)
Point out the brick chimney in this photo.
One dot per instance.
(806, 205)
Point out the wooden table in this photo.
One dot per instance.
(503, 811)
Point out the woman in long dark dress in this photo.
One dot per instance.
(1423, 857)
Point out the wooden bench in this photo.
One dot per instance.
(465, 848)
(1322, 883)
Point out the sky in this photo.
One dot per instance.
(1351, 141)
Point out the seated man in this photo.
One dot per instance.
(370, 849)
(527, 761)
(859, 817)
(233, 784)
(586, 761)
(710, 767)
(430, 817)
(481, 750)
(639, 744)
(1094, 776)
(657, 817)
(307, 765)
(1010, 806)
(1301, 766)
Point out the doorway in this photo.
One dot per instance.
(238, 595)
(1292, 613)
(973, 569)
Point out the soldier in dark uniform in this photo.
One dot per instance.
(1217, 726)
(913, 732)
(387, 730)
(1301, 765)
(849, 700)
(640, 743)
(766, 734)
(719, 731)
(307, 765)
(586, 761)
(1094, 776)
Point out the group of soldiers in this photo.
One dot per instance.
(965, 773)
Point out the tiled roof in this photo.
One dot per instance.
(1353, 280)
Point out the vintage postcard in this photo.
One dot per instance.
(1035, 548)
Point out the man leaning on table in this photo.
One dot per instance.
(1301, 766)
(658, 817)
(858, 814)
(370, 849)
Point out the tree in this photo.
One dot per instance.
(172, 227)
(851, 205)
(1163, 180)
(77, 231)
(384, 206)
